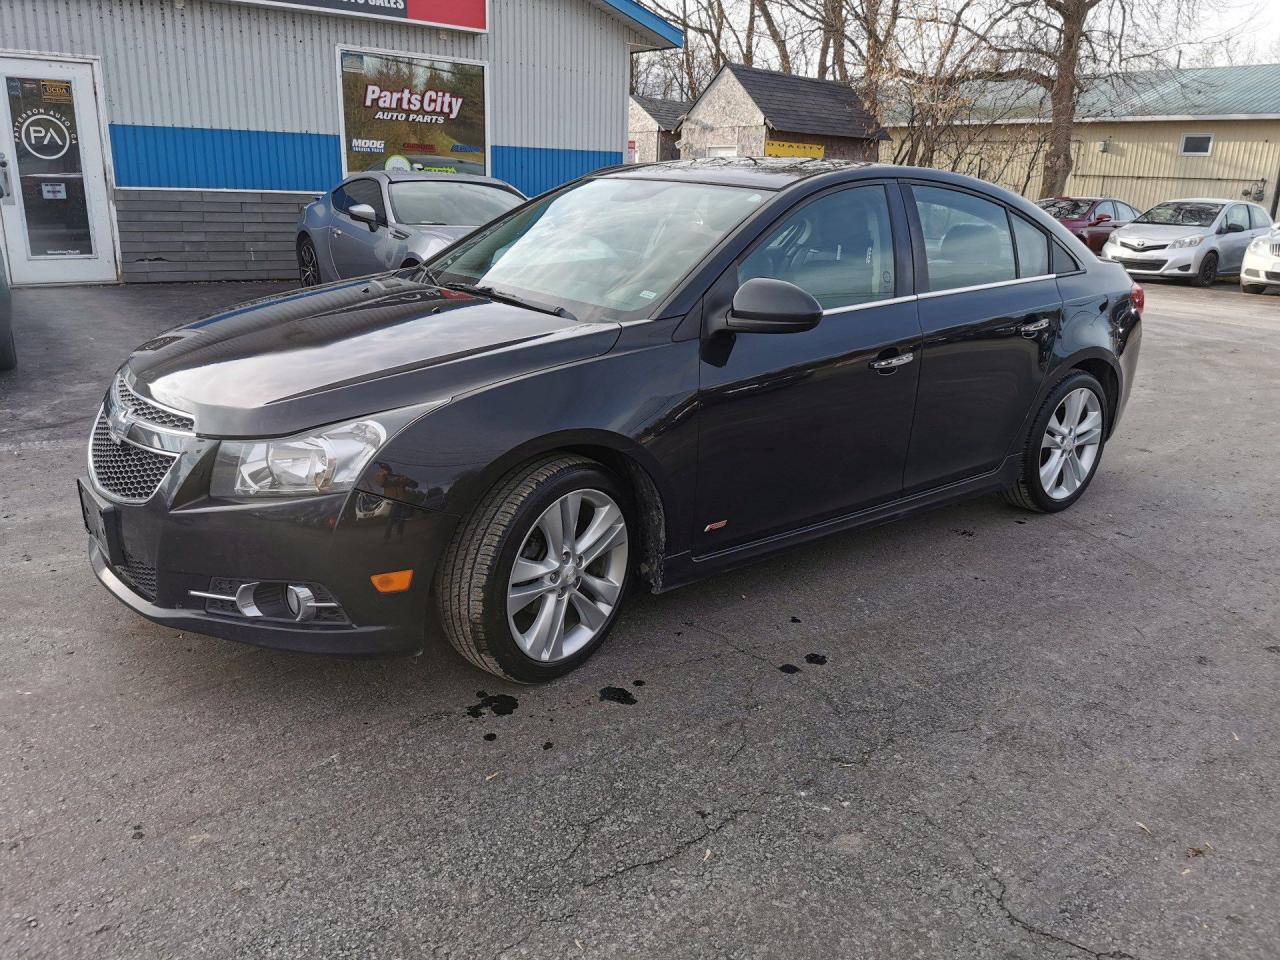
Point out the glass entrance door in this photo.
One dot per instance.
(55, 222)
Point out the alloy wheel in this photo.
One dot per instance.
(568, 575)
(309, 266)
(1071, 443)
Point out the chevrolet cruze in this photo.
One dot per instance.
(649, 375)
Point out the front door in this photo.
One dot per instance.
(1236, 240)
(796, 428)
(55, 221)
(358, 248)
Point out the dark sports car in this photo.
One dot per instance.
(650, 375)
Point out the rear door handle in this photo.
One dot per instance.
(1031, 329)
(891, 363)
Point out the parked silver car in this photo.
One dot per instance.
(386, 219)
(1197, 239)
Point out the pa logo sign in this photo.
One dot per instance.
(46, 135)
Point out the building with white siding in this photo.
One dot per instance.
(177, 139)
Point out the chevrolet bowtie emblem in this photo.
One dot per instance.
(1139, 243)
(118, 423)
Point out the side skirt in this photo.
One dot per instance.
(685, 568)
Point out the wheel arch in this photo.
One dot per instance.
(626, 459)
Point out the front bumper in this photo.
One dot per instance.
(1155, 263)
(1259, 268)
(166, 553)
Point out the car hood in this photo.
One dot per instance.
(286, 363)
(1158, 232)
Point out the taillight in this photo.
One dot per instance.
(1139, 298)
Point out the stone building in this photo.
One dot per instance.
(746, 112)
(652, 126)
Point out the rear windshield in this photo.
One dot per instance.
(1063, 208)
(449, 203)
(1182, 214)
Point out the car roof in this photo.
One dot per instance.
(768, 173)
(403, 176)
(1201, 200)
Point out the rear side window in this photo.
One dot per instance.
(838, 249)
(1033, 248)
(967, 239)
(1127, 212)
(1260, 218)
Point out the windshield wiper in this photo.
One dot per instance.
(504, 297)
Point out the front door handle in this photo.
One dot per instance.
(1031, 329)
(892, 363)
(336, 232)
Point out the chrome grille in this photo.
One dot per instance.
(1134, 245)
(149, 412)
(123, 470)
(1275, 249)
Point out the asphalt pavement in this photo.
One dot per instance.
(976, 733)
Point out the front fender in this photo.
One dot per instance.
(634, 404)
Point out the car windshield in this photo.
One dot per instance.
(603, 249)
(452, 203)
(1182, 214)
(1063, 208)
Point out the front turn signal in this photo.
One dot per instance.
(397, 581)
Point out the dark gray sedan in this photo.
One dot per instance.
(382, 220)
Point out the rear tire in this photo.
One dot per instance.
(1057, 468)
(308, 263)
(491, 610)
(1207, 275)
(8, 352)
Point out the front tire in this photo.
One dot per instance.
(1207, 275)
(534, 578)
(1252, 287)
(1064, 446)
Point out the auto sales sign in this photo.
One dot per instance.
(454, 14)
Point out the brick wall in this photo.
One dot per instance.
(175, 235)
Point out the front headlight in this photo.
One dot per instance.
(327, 460)
(1259, 244)
(1185, 242)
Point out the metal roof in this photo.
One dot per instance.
(666, 113)
(660, 34)
(795, 104)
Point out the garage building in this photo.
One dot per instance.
(177, 139)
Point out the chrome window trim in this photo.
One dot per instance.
(869, 304)
(929, 295)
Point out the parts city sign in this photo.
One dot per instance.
(470, 15)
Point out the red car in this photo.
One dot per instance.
(1090, 218)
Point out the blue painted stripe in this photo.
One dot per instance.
(649, 20)
(201, 158)
(534, 170)
(197, 157)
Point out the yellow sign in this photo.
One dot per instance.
(782, 148)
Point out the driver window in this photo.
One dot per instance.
(838, 249)
(1106, 207)
(1238, 215)
(363, 191)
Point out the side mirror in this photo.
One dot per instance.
(1101, 218)
(364, 213)
(1233, 228)
(765, 305)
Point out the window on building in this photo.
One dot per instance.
(839, 249)
(1033, 248)
(1197, 144)
(967, 239)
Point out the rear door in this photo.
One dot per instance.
(796, 428)
(989, 310)
(357, 249)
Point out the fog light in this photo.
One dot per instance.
(301, 602)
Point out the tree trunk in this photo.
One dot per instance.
(771, 26)
(1058, 160)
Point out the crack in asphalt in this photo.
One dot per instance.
(682, 846)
